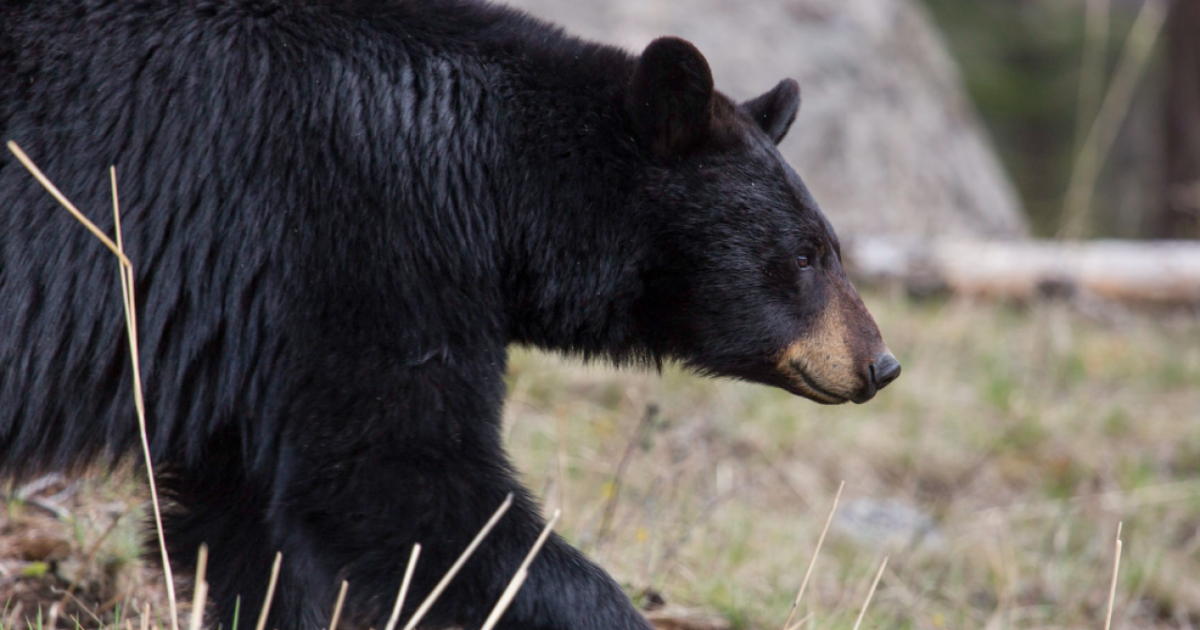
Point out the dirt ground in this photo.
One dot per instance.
(71, 551)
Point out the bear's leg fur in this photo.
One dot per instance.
(214, 503)
(377, 455)
(364, 519)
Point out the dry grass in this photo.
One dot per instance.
(1024, 435)
(85, 532)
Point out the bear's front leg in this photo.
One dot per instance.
(373, 460)
(363, 524)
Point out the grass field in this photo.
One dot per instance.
(993, 474)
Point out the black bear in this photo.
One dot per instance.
(342, 213)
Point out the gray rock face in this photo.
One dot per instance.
(886, 139)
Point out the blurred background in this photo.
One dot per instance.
(948, 117)
(1017, 183)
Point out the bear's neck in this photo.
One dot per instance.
(575, 245)
(511, 170)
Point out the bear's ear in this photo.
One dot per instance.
(670, 96)
(776, 110)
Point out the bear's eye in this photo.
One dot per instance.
(802, 262)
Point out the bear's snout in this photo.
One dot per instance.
(840, 357)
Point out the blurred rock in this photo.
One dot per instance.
(886, 139)
(887, 524)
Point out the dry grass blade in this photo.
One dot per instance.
(14, 615)
(139, 401)
(266, 607)
(146, 617)
(1097, 23)
(78, 604)
(1112, 589)
(66, 203)
(462, 559)
(813, 562)
(871, 593)
(200, 594)
(52, 621)
(561, 457)
(505, 600)
(408, 572)
(127, 290)
(613, 490)
(1139, 46)
(518, 578)
(803, 620)
(337, 606)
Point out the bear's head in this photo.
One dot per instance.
(748, 279)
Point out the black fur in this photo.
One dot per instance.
(341, 213)
(776, 110)
(671, 97)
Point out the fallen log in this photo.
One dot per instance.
(1140, 272)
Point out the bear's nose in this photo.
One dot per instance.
(881, 370)
(884, 369)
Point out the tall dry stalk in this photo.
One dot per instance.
(266, 607)
(458, 564)
(1112, 588)
(128, 296)
(408, 573)
(871, 593)
(1097, 19)
(1099, 142)
(518, 578)
(200, 592)
(787, 625)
